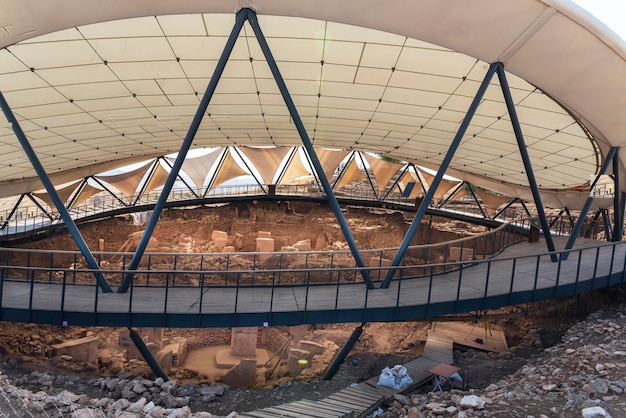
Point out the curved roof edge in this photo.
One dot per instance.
(553, 44)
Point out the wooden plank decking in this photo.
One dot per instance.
(475, 335)
(498, 279)
(360, 399)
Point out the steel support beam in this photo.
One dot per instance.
(477, 200)
(442, 169)
(243, 160)
(10, 215)
(351, 157)
(585, 209)
(146, 182)
(317, 166)
(345, 350)
(147, 355)
(104, 186)
(220, 163)
(191, 189)
(369, 178)
(41, 208)
(510, 105)
(618, 224)
(395, 183)
(292, 154)
(182, 153)
(45, 180)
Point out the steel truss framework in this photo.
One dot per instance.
(249, 15)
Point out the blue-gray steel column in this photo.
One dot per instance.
(182, 153)
(43, 176)
(504, 84)
(585, 209)
(317, 166)
(618, 216)
(442, 169)
(147, 354)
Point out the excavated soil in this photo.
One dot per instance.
(528, 328)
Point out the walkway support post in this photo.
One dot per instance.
(56, 199)
(585, 209)
(182, 153)
(517, 129)
(317, 166)
(147, 355)
(442, 169)
(345, 350)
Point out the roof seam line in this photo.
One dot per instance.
(528, 33)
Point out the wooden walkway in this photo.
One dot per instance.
(476, 335)
(519, 274)
(360, 399)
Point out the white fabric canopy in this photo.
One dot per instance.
(104, 83)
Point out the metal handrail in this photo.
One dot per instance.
(460, 278)
(32, 218)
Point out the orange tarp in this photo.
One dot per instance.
(198, 168)
(157, 180)
(295, 170)
(127, 182)
(383, 171)
(351, 174)
(64, 193)
(228, 170)
(265, 160)
(85, 194)
(491, 202)
(330, 160)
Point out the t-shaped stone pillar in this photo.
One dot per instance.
(243, 342)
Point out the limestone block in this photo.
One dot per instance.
(218, 234)
(220, 243)
(298, 360)
(127, 343)
(242, 375)
(380, 274)
(239, 241)
(165, 358)
(243, 342)
(321, 242)
(312, 347)
(288, 249)
(229, 249)
(298, 332)
(101, 244)
(304, 245)
(81, 349)
(264, 245)
(460, 254)
(264, 234)
(153, 335)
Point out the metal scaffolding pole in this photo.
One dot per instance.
(317, 166)
(182, 153)
(56, 199)
(442, 169)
